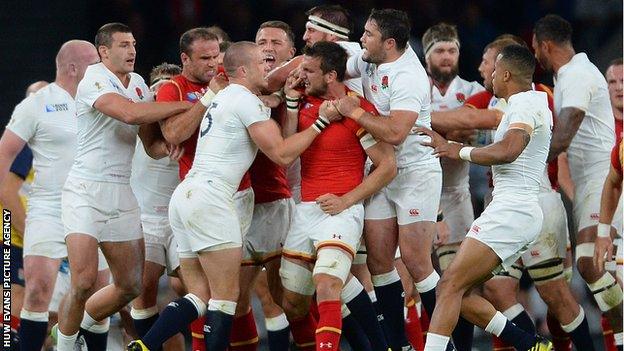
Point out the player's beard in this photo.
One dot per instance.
(443, 77)
(317, 91)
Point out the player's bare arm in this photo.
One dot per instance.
(611, 192)
(504, 151)
(568, 122)
(268, 136)
(10, 200)
(178, 128)
(384, 170)
(277, 77)
(10, 146)
(292, 96)
(465, 117)
(392, 129)
(120, 108)
(153, 141)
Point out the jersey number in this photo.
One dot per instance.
(209, 117)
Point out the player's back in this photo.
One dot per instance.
(225, 149)
(105, 145)
(521, 178)
(580, 84)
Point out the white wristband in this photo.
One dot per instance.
(604, 230)
(464, 153)
(207, 98)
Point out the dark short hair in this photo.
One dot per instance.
(219, 32)
(553, 28)
(190, 36)
(164, 69)
(279, 25)
(334, 14)
(333, 57)
(439, 32)
(393, 24)
(104, 35)
(520, 60)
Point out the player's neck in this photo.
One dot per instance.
(442, 86)
(188, 76)
(515, 88)
(393, 55)
(334, 91)
(617, 113)
(561, 57)
(68, 84)
(123, 77)
(246, 84)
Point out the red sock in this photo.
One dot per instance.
(607, 333)
(413, 328)
(424, 322)
(197, 334)
(15, 323)
(561, 340)
(329, 326)
(303, 332)
(244, 336)
(499, 345)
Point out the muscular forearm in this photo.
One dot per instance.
(142, 113)
(293, 146)
(382, 129)
(277, 77)
(177, 129)
(568, 123)
(464, 118)
(382, 175)
(290, 122)
(611, 193)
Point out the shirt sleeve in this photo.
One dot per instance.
(479, 100)
(252, 110)
(408, 93)
(92, 87)
(169, 92)
(353, 65)
(22, 163)
(576, 91)
(24, 119)
(522, 115)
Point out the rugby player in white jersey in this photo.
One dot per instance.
(449, 91)
(202, 213)
(513, 219)
(585, 129)
(405, 211)
(46, 121)
(98, 206)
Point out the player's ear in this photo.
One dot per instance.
(103, 51)
(184, 58)
(331, 76)
(389, 43)
(506, 76)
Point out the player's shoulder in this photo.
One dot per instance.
(479, 100)
(367, 105)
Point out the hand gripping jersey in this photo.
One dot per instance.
(399, 85)
(105, 145)
(334, 162)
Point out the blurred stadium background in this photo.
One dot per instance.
(32, 31)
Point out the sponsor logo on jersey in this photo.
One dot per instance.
(414, 212)
(56, 107)
(475, 229)
(193, 96)
(98, 86)
(337, 236)
(535, 253)
(139, 93)
(374, 87)
(594, 216)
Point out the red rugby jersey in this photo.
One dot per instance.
(268, 179)
(483, 99)
(334, 162)
(182, 89)
(617, 153)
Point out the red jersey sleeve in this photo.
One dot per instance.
(616, 157)
(168, 92)
(479, 100)
(366, 106)
(549, 92)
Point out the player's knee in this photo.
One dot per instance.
(607, 292)
(295, 305)
(130, 290)
(327, 287)
(447, 285)
(546, 272)
(38, 294)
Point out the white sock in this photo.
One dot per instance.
(372, 296)
(513, 311)
(66, 342)
(428, 283)
(496, 324)
(618, 338)
(276, 323)
(90, 324)
(575, 323)
(436, 342)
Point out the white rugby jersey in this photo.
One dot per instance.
(46, 120)
(454, 172)
(399, 85)
(580, 84)
(352, 48)
(153, 182)
(224, 148)
(105, 145)
(522, 178)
